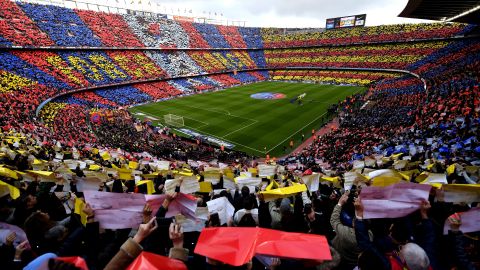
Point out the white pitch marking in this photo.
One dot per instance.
(236, 143)
(296, 132)
(204, 123)
(228, 134)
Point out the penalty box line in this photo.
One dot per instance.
(222, 138)
(253, 123)
(204, 123)
(215, 136)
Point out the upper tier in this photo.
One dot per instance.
(33, 25)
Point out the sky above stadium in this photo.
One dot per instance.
(288, 13)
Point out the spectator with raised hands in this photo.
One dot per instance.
(457, 239)
(132, 248)
(409, 255)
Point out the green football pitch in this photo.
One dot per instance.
(255, 126)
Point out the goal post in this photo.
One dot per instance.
(173, 120)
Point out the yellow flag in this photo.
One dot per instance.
(450, 169)
(205, 187)
(274, 194)
(94, 167)
(273, 185)
(435, 185)
(229, 175)
(421, 177)
(385, 177)
(330, 179)
(396, 156)
(8, 173)
(133, 165)
(150, 175)
(41, 173)
(14, 192)
(430, 166)
(79, 204)
(37, 162)
(149, 183)
(105, 155)
(125, 175)
(407, 175)
(382, 181)
(184, 173)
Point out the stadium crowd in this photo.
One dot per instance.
(291, 199)
(395, 186)
(396, 56)
(362, 35)
(340, 77)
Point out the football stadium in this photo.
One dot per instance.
(258, 119)
(163, 134)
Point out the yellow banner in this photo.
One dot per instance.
(105, 156)
(382, 181)
(184, 173)
(205, 187)
(149, 183)
(41, 173)
(125, 175)
(133, 165)
(150, 175)
(8, 173)
(330, 179)
(94, 167)
(450, 169)
(407, 175)
(273, 185)
(79, 204)
(37, 162)
(14, 192)
(274, 194)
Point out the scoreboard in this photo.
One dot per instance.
(346, 22)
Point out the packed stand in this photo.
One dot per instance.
(110, 28)
(395, 109)
(361, 78)
(113, 209)
(393, 56)
(16, 28)
(158, 32)
(361, 35)
(48, 25)
(62, 25)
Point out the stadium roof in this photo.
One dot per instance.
(463, 11)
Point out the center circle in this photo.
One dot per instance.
(268, 95)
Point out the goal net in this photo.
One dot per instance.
(173, 120)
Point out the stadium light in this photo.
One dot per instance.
(463, 14)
